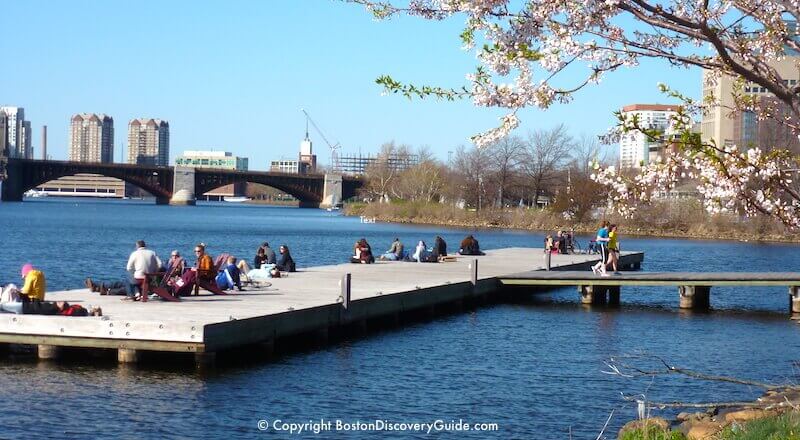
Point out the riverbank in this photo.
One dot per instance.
(682, 219)
(775, 415)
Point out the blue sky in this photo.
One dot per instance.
(235, 75)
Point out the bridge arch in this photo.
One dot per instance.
(307, 189)
(29, 174)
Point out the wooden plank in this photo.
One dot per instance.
(67, 341)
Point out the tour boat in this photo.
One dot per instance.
(238, 199)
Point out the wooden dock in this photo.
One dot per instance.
(694, 288)
(314, 300)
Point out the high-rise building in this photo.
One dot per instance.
(635, 146)
(18, 136)
(725, 127)
(27, 135)
(3, 135)
(148, 142)
(357, 164)
(91, 138)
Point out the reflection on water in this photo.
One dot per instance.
(534, 365)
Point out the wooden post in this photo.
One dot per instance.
(794, 300)
(205, 359)
(473, 272)
(694, 297)
(48, 351)
(127, 356)
(613, 295)
(591, 294)
(345, 285)
(547, 259)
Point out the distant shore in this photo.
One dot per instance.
(541, 221)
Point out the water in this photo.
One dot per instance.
(534, 367)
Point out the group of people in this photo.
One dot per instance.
(177, 279)
(608, 245)
(362, 252)
(29, 300)
(562, 243)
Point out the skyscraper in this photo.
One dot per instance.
(3, 134)
(91, 138)
(148, 142)
(634, 146)
(18, 137)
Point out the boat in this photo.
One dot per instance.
(237, 199)
(34, 193)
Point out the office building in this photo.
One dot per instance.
(308, 160)
(91, 138)
(357, 164)
(3, 135)
(17, 133)
(148, 142)
(216, 159)
(285, 166)
(635, 146)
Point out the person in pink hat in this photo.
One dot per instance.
(34, 287)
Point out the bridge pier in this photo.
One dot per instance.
(183, 187)
(695, 297)
(794, 300)
(332, 191)
(593, 294)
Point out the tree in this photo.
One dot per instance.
(546, 151)
(745, 40)
(505, 156)
(473, 167)
(382, 174)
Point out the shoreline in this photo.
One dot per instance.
(580, 228)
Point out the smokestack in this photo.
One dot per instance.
(44, 142)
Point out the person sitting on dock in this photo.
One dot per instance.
(285, 262)
(203, 269)
(363, 253)
(269, 253)
(141, 262)
(35, 284)
(229, 277)
(440, 246)
(395, 252)
(470, 246)
(48, 308)
(260, 258)
(421, 253)
(176, 262)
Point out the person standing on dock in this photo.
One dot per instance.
(602, 242)
(613, 249)
(141, 262)
(35, 285)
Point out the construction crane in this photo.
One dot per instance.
(333, 147)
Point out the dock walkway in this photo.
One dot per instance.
(311, 300)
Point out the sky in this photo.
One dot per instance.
(235, 75)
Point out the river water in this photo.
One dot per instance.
(534, 367)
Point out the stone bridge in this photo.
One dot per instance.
(178, 185)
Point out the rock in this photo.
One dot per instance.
(634, 425)
(683, 416)
(702, 430)
(745, 415)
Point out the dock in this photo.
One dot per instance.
(319, 300)
(694, 288)
(315, 300)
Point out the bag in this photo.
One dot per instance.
(10, 294)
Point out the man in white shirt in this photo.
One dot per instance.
(142, 262)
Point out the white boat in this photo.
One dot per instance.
(238, 199)
(34, 193)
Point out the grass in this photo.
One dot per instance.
(783, 427)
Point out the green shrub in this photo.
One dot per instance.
(783, 427)
(652, 433)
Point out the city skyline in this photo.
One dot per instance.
(249, 75)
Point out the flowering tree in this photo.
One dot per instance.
(524, 47)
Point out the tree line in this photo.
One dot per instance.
(547, 167)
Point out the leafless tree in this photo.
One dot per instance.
(546, 151)
(473, 167)
(382, 174)
(505, 157)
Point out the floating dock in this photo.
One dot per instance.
(313, 300)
